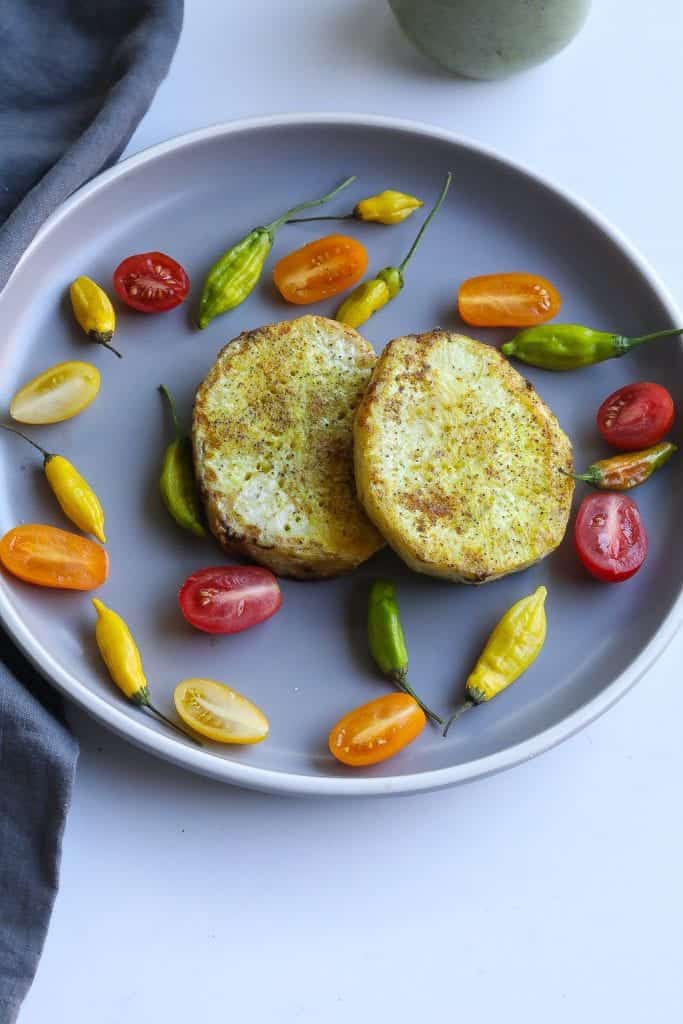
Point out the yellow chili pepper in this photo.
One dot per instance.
(78, 501)
(388, 207)
(363, 301)
(121, 656)
(94, 312)
(513, 645)
(371, 295)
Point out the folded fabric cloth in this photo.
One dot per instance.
(75, 79)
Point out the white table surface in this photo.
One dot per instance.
(552, 892)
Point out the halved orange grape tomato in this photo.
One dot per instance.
(320, 269)
(50, 557)
(508, 300)
(377, 730)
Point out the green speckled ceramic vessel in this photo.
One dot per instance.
(490, 38)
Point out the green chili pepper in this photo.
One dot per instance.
(570, 346)
(178, 486)
(236, 273)
(387, 643)
(622, 472)
(371, 295)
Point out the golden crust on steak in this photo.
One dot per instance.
(272, 434)
(458, 460)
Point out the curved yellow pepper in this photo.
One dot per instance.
(363, 301)
(93, 311)
(121, 656)
(512, 646)
(76, 497)
(388, 207)
(120, 653)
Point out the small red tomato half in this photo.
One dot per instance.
(229, 598)
(151, 282)
(610, 536)
(636, 416)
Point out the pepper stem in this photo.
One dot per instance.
(430, 216)
(590, 477)
(174, 414)
(108, 344)
(465, 706)
(274, 225)
(13, 430)
(399, 678)
(163, 718)
(308, 220)
(651, 337)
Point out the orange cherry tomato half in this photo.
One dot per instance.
(378, 730)
(320, 269)
(50, 557)
(508, 300)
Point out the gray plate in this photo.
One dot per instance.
(193, 197)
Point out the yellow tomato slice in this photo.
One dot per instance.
(56, 394)
(219, 712)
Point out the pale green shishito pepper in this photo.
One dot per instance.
(177, 484)
(570, 346)
(235, 275)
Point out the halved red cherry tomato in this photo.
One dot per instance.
(636, 416)
(50, 557)
(151, 282)
(377, 730)
(610, 536)
(508, 300)
(320, 269)
(229, 598)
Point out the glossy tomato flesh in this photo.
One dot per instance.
(507, 300)
(636, 416)
(377, 730)
(320, 269)
(229, 598)
(610, 536)
(218, 712)
(50, 557)
(151, 282)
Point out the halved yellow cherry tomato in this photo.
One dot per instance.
(508, 300)
(377, 730)
(219, 712)
(320, 269)
(50, 557)
(56, 394)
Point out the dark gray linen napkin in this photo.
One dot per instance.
(76, 76)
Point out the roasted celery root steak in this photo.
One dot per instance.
(458, 460)
(273, 434)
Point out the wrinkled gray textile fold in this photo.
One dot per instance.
(76, 76)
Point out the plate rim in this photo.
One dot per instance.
(265, 779)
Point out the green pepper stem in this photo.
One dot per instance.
(46, 455)
(399, 678)
(174, 413)
(108, 344)
(163, 718)
(657, 334)
(465, 706)
(274, 225)
(309, 220)
(430, 216)
(589, 477)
